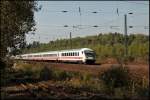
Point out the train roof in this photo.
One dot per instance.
(49, 52)
(75, 49)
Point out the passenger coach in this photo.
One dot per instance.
(83, 55)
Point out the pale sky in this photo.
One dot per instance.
(51, 19)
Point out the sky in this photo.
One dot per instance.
(82, 16)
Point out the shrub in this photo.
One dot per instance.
(116, 76)
(85, 76)
(62, 75)
(143, 92)
(28, 71)
(46, 73)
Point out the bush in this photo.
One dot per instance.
(85, 76)
(143, 92)
(46, 74)
(116, 76)
(62, 75)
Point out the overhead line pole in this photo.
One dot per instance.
(70, 40)
(125, 32)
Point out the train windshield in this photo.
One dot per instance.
(89, 53)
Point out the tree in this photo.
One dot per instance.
(17, 19)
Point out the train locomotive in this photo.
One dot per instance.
(82, 55)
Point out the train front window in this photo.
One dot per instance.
(89, 53)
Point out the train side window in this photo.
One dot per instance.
(71, 53)
(78, 53)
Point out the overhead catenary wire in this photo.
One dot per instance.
(136, 2)
(100, 2)
(94, 12)
(108, 24)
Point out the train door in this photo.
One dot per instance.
(58, 56)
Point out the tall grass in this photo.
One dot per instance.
(116, 81)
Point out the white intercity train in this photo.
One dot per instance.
(82, 55)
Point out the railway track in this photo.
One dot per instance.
(55, 62)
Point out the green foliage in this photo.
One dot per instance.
(5, 70)
(17, 19)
